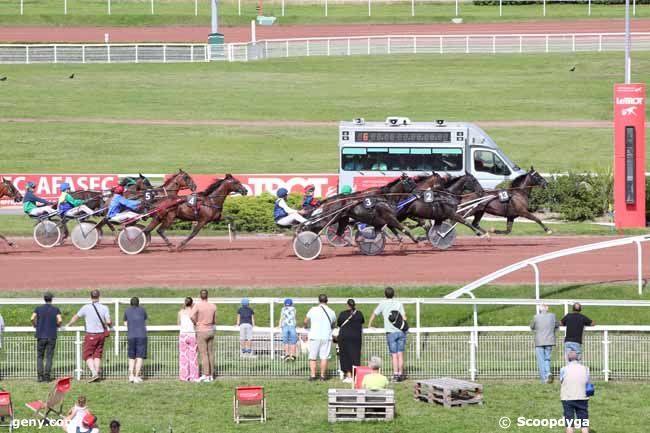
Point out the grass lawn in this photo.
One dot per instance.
(182, 12)
(299, 406)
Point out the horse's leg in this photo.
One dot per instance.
(508, 229)
(113, 231)
(459, 219)
(7, 241)
(195, 231)
(167, 221)
(394, 225)
(532, 217)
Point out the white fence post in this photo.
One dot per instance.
(77, 343)
(191, 53)
(544, 8)
(573, 43)
(271, 320)
(325, 7)
(55, 56)
(287, 48)
(521, 44)
(473, 337)
(418, 326)
(328, 47)
(282, 7)
(536, 269)
(65, 7)
(307, 47)
(639, 264)
(440, 44)
(634, 7)
(165, 53)
(494, 44)
(22, 7)
(600, 43)
(415, 44)
(388, 45)
(589, 8)
(196, 8)
(108, 2)
(152, 7)
(546, 43)
(456, 7)
(606, 355)
(266, 49)
(27, 54)
(83, 54)
(349, 46)
(116, 322)
(466, 44)
(369, 8)
(239, 7)
(500, 8)
(412, 8)
(368, 44)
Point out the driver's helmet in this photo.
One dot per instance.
(118, 189)
(346, 189)
(64, 186)
(282, 192)
(30, 185)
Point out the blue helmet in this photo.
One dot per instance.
(245, 301)
(64, 186)
(288, 302)
(30, 185)
(282, 192)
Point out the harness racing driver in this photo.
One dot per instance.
(284, 215)
(121, 209)
(70, 206)
(31, 201)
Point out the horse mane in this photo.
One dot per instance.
(214, 186)
(451, 181)
(390, 184)
(517, 181)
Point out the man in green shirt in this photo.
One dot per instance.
(374, 380)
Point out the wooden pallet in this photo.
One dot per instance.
(448, 392)
(360, 405)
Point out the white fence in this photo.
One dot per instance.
(506, 352)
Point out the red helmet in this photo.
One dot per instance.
(118, 189)
(310, 188)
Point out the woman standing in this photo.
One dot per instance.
(350, 324)
(187, 345)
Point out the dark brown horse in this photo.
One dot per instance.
(203, 208)
(7, 189)
(516, 203)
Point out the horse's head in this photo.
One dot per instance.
(537, 179)
(234, 185)
(144, 182)
(433, 181)
(182, 180)
(8, 189)
(403, 184)
(470, 183)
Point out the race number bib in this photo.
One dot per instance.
(369, 202)
(428, 196)
(191, 200)
(149, 195)
(504, 196)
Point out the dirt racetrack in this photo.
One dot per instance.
(269, 262)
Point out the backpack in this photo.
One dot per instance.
(395, 318)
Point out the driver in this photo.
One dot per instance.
(309, 202)
(346, 190)
(284, 215)
(121, 209)
(70, 206)
(31, 201)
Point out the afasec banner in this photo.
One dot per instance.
(47, 185)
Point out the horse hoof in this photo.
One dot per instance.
(549, 232)
(180, 248)
(493, 230)
(171, 248)
(486, 236)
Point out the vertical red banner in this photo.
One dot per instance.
(629, 155)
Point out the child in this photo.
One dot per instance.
(288, 325)
(245, 321)
(75, 415)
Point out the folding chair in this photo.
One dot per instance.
(6, 410)
(358, 373)
(249, 396)
(54, 402)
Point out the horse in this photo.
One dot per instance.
(516, 204)
(133, 186)
(440, 204)
(7, 189)
(207, 207)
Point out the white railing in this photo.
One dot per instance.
(106, 53)
(435, 44)
(534, 261)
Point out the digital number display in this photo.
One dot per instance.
(402, 137)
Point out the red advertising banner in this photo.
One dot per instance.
(629, 155)
(364, 182)
(325, 184)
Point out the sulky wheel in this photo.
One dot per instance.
(47, 234)
(132, 240)
(84, 236)
(147, 234)
(370, 241)
(442, 238)
(338, 241)
(307, 245)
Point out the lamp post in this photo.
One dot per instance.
(214, 15)
(628, 61)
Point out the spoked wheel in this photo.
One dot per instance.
(338, 241)
(147, 234)
(84, 236)
(442, 238)
(132, 240)
(370, 241)
(307, 245)
(47, 234)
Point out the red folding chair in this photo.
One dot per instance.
(6, 411)
(249, 396)
(54, 402)
(358, 373)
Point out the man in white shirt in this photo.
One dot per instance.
(283, 214)
(320, 320)
(395, 338)
(574, 378)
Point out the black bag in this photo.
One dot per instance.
(396, 319)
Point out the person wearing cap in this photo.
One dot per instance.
(309, 202)
(346, 189)
(246, 322)
(46, 319)
(288, 326)
(88, 424)
(121, 209)
(283, 214)
(31, 202)
(374, 380)
(70, 206)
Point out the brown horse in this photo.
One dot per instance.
(7, 189)
(516, 204)
(203, 208)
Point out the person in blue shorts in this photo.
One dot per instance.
(288, 326)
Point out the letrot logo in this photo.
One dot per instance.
(628, 100)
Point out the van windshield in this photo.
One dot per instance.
(401, 159)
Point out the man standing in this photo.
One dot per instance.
(544, 324)
(135, 320)
(46, 319)
(574, 378)
(98, 322)
(575, 323)
(396, 338)
(320, 320)
(205, 317)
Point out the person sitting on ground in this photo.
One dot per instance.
(309, 202)
(75, 415)
(88, 424)
(374, 380)
(284, 215)
(114, 426)
(288, 326)
(70, 206)
(121, 209)
(245, 321)
(31, 201)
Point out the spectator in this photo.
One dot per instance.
(544, 324)
(205, 316)
(46, 319)
(350, 324)
(135, 320)
(98, 322)
(320, 320)
(75, 415)
(288, 326)
(575, 323)
(114, 426)
(574, 378)
(396, 338)
(374, 380)
(88, 424)
(187, 346)
(246, 322)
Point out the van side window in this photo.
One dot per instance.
(486, 161)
